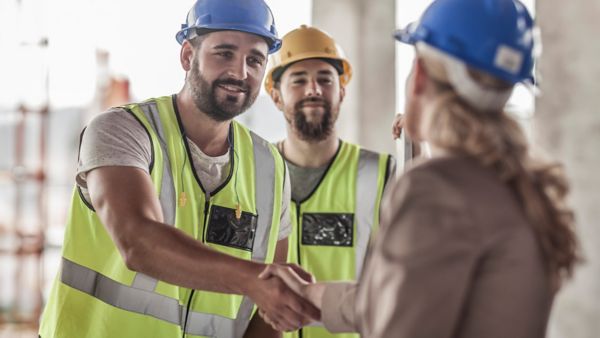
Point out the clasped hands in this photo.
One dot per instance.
(291, 299)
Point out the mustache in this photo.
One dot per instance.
(300, 103)
(229, 81)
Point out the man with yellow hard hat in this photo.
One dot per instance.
(336, 186)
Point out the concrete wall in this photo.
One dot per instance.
(567, 125)
(364, 30)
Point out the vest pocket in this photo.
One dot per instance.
(224, 229)
(327, 229)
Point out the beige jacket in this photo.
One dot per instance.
(455, 258)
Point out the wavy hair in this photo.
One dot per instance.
(497, 141)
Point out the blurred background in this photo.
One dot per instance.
(64, 61)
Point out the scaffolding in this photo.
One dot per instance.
(23, 234)
(23, 185)
(33, 213)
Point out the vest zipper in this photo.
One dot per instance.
(189, 303)
(206, 208)
(187, 313)
(298, 245)
(299, 231)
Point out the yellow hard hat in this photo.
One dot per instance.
(307, 43)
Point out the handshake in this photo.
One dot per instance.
(287, 297)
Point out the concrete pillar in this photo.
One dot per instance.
(364, 30)
(567, 125)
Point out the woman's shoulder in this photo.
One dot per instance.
(427, 182)
(452, 182)
(444, 173)
(451, 172)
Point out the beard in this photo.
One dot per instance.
(313, 130)
(207, 101)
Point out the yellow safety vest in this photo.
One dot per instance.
(96, 295)
(333, 225)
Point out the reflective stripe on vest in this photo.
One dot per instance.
(366, 200)
(366, 193)
(140, 296)
(167, 190)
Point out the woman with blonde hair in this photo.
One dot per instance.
(475, 241)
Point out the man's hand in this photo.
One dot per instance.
(397, 125)
(280, 305)
(293, 275)
(300, 281)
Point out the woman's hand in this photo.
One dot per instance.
(300, 281)
(397, 125)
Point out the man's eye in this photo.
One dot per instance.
(225, 54)
(299, 81)
(254, 61)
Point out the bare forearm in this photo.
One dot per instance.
(133, 217)
(126, 203)
(168, 254)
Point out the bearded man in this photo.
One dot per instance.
(336, 186)
(177, 208)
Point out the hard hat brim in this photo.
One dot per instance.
(345, 74)
(273, 42)
(407, 34)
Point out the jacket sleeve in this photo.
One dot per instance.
(337, 310)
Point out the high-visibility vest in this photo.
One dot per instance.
(333, 225)
(96, 295)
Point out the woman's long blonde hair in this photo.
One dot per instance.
(497, 141)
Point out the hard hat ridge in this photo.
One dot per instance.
(250, 16)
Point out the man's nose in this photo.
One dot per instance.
(238, 70)
(313, 89)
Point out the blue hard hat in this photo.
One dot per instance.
(250, 16)
(495, 36)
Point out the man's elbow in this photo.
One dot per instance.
(133, 251)
(133, 258)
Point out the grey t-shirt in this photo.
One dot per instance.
(116, 138)
(304, 180)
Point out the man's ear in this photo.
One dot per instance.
(342, 93)
(186, 55)
(276, 97)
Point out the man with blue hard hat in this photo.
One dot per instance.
(178, 208)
